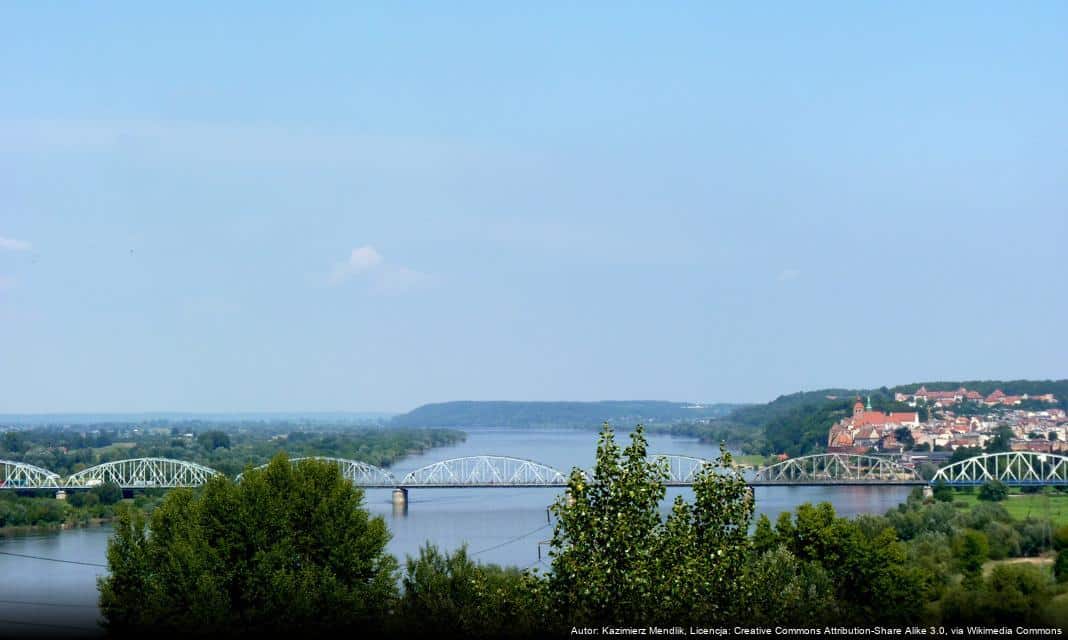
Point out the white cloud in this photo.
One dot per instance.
(789, 274)
(11, 244)
(361, 260)
(367, 263)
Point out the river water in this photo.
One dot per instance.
(502, 526)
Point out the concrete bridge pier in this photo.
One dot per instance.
(400, 499)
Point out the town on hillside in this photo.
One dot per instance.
(959, 418)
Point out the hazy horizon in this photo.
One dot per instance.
(220, 209)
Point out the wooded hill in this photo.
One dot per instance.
(556, 414)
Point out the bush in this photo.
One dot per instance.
(1060, 566)
(1060, 538)
(993, 491)
(943, 492)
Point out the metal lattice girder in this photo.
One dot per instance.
(487, 471)
(358, 473)
(144, 472)
(19, 475)
(682, 469)
(1011, 468)
(831, 467)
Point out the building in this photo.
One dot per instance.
(866, 429)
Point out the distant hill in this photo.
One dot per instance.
(556, 414)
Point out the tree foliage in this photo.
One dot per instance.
(286, 549)
(616, 560)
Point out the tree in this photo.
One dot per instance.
(993, 491)
(289, 548)
(904, 436)
(212, 440)
(452, 596)
(963, 453)
(764, 538)
(971, 550)
(942, 491)
(615, 560)
(1001, 442)
(1060, 566)
(107, 493)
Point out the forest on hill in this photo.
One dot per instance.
(556, 414)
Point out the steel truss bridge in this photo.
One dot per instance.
(1013, 468)
(832, 469)
(837, 469)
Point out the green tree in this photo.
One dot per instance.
(212, 440)
(1001, 442)
(289, 548)
(1060, 566)
(971, 550)
(452, 596)
(764, 538)
(942, 491)
(615, 560)
(107, 493)
(993, 491)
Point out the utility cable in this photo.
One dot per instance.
(24, 555)
(508, 542)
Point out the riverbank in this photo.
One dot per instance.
(1022, 506)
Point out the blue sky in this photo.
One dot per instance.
(253, 207)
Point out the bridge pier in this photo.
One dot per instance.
(400, 498)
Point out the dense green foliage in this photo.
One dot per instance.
(222, 446)
(289, 548)
(554, 414)
(993, 491)
(449, 595)
(615, 560)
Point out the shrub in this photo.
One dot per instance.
(993, 491)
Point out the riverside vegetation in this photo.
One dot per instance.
(226, 447)
(291, 547)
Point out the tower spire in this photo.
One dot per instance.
(869, 402)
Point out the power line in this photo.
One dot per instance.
(508, 542)
(24, 555)
(47, 604)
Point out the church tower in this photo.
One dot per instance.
(858, 408)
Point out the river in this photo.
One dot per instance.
(502, 526)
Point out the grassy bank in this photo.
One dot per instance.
(1023, 505)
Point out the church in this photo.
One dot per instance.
(866, 429)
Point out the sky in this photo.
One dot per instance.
(371, 206)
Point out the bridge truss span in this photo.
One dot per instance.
(837, 468)
(20, 475)
(1013, 468)
(358, 473)
(485, 471)
(140, 473)
(682, 470)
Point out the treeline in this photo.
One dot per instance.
(80, 508)
(1058, 388)
(221, 446)
(554, 414)
(293, 549)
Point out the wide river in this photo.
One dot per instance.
(502, 526)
